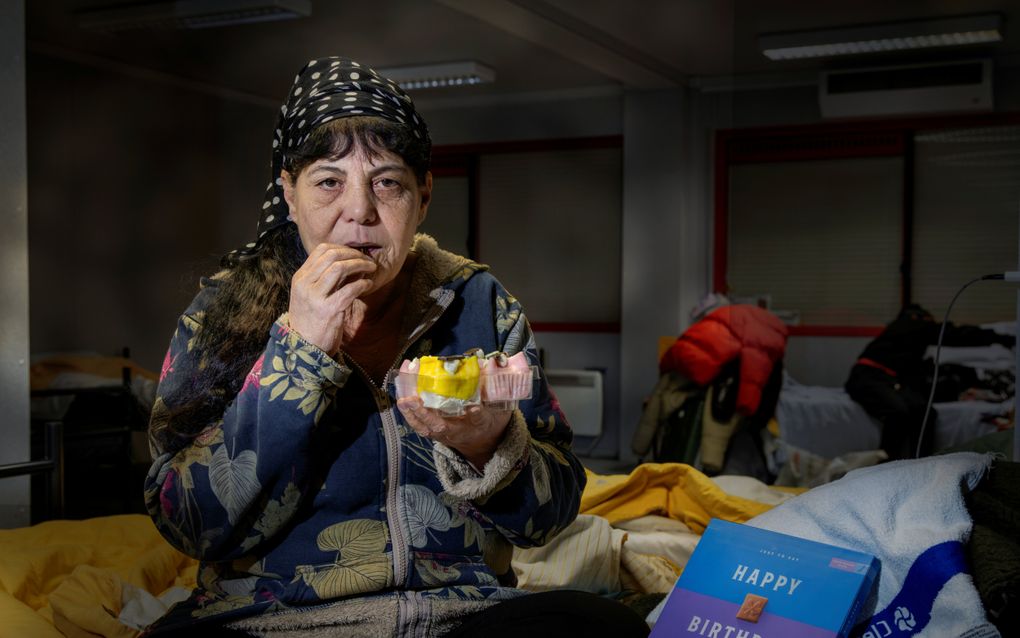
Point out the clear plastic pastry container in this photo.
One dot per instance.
(451, 384)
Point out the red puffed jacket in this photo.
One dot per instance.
(755, 335)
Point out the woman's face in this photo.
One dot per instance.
(374, 205)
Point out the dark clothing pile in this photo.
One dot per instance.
(891, 379)
(994, 548)
(718, 388)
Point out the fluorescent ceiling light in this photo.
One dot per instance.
(873, 38)
(431, 76)
(190, 14)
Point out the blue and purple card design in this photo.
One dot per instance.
(745, 582)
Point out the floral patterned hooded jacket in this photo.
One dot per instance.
(311, 487)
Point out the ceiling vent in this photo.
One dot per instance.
(189, 14)
(949, 87)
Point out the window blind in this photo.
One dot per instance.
(820, 238)
(967, 201)
(549, 225)
(448, 219)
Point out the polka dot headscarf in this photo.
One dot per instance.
(324, 90)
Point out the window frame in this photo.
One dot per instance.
(840, 140)
(459, 160)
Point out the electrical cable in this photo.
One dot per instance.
(1008, 276)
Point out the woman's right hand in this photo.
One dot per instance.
(324, 293)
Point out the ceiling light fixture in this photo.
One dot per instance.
(891, 36)
(190, 14)
(433, 76)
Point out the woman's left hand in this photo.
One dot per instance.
(476, 434)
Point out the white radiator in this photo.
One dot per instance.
(580, 395)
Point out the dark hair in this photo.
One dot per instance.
(255, 290)
(337, 138)
(234, 329)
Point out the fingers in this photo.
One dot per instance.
(429, 422)
(330, 265)
(422, 420)
(426, 422)
(478, 429)
(346, 271)
(342, 297)
(409, 407)
(323, 291)
(476, 417)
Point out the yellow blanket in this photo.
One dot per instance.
(71, 574)
(674, 490)
(601, 553)
(71, 578)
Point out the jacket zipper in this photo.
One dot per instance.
(392, 439)
(393, 520)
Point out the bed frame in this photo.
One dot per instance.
(52, 464)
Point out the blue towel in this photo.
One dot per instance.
(912, 516)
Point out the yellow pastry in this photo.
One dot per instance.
(452, 377)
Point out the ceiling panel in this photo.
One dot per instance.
(550, 45)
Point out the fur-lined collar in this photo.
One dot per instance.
(433, 268)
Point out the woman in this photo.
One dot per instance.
(317, 504)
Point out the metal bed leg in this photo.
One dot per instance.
(55, 451)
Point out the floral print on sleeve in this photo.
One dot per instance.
(218, 495)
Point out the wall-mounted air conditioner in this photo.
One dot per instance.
(944, 87)
(579, 393)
